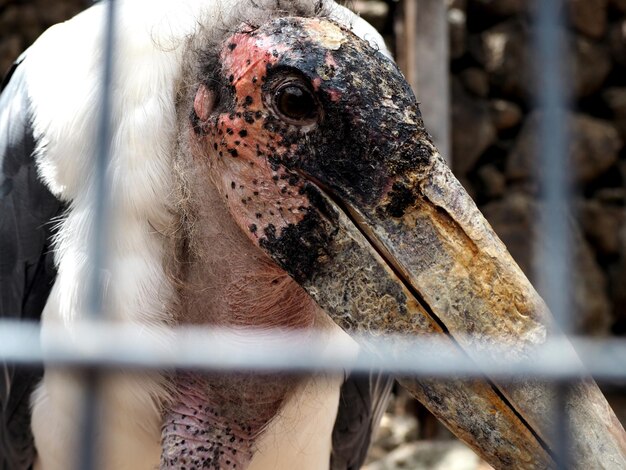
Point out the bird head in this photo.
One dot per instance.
(313, 143)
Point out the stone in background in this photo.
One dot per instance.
(22, 21)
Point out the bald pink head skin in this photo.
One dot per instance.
(238, 142)
(283, 110)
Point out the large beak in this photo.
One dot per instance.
(419, 258)
(434, 265)
(392, 243)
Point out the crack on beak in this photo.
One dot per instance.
(360, 224)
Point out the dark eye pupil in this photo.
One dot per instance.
(295, 102)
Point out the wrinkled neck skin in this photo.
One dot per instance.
(213, 420)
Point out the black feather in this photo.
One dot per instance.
(362, 402)
(26, 268)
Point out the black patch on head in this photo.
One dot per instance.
(300, 247)
(248, 117)
(400, 197)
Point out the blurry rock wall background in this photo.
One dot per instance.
(494, 124)
(23, 21)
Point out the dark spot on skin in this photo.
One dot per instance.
(229, 131)
(301, 246)
(237, 142)
(248, 101)
(233, 185)
(243, 133)
(232, 46)
(248, 117)
(400, 197)
(271, 126)
(233, 152)
(258, 215)
(231, 78)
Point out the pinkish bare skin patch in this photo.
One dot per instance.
(215, 420)
(204, 102)
(258, 195)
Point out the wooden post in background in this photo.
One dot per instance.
(422, 54)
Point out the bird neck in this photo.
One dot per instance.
(214, 420)
(225, 281)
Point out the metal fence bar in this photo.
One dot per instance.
(108, 345)
(554, 244)
(552, 162)
(92, 403)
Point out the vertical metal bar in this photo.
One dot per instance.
(554, 240)
(88, 457)
(553, 168)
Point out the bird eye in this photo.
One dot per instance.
(296, 104)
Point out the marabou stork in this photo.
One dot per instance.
(269, 168)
